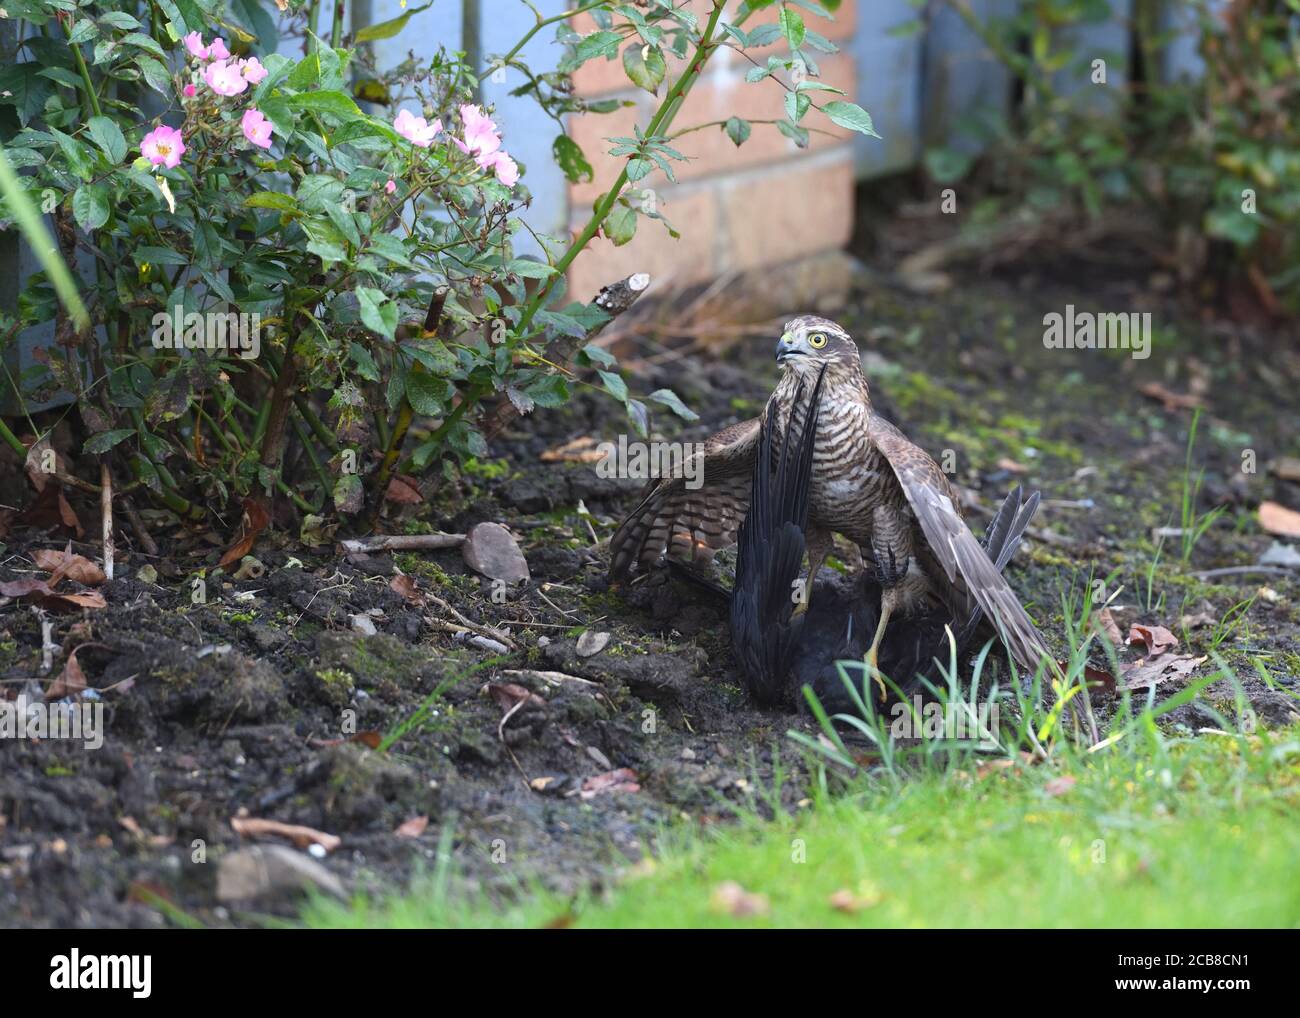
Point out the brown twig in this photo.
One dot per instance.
(401, 542)
(106, 514)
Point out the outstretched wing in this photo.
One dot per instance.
(973, 577)
(691, 517)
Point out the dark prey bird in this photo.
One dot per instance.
(866, 481)
(779, 650)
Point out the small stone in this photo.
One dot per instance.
(590, 644)
(147, 574)
(490, 550)
(269, 872)
(688, 753)
(364, 625)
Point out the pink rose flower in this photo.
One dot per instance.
(418, 131)
(506, 169)
(484, 143)
(252, 70)
(224, 78)
(194, 43)
(257, 129)
(163, 146)
(190, 91)
(218, 51)
(390, 187)
(481, 136)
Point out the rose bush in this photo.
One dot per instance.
(193, 171)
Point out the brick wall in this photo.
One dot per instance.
(737, 208)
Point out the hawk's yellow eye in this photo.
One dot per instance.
(817, 340)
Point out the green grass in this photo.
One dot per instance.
(1153, 832)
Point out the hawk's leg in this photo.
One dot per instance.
(819, 543)
(890, 574)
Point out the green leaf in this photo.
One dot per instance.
(155, 75)
(90, 206)
(305, 73)
(391, 249)
(737, 130)
(378, 313)
(614, 384)
(83, 31)
(670, 399)
(794, 132)
(78, 155)
(796, 105)
(645, 67)
(105, 440)
(427, 394)
(571, 159)
(530, 268)
(602, 43)
(791, 27)
(349, 496)
(338, 104)
(108, 136)
(387, 29)
(27, 90)
(366, 366)
(620, 225)
(850, 115)
(271, 200)
(599, 355)
(638, 168)
(549, 391)
(158, 256)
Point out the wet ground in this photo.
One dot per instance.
(265, 703)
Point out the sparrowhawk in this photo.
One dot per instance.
(865, 481)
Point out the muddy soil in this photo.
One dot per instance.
(264, 702)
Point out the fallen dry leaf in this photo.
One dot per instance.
(1060, 785)
(580, 450)
(732, 899)
(412, 828)
(302, 837)
(1011, 466)
(371, 740)
(621, 780)
(1278, 519)
(403, 490)
(1287, 468)
(1171, 400)
(509, 694)
(71, 681)
(1152, 671)
(75, 567)
(254, 522)
(404, 586)
(50, 509)
(1106, 622)
(41, 592)
(1197, 621)
(1157, 639)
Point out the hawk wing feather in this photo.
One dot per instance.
(691, 525)
(954, 548)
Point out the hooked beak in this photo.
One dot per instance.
(786, 347)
